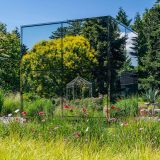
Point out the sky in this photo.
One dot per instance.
(15, 13)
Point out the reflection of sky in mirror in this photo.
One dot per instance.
(129, 44)
(34, 34)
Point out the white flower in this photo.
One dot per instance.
(16, 111)
(141, 129)
(121, 124)
(9, 115)
(57, 127)
(87, 129)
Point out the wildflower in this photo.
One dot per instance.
(121, 124)
(16, 111)
(77, 134)
(9, 115)
(124, 124)
(55, 128)
(140, 129)
(24, 120)
(24, 113)
(66, 107)
(17, 119)
(113, 107)
(84, 110)
(40, 113)
(87, 129)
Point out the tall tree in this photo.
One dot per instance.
(104, 36)
(123, 18)
(9, 61)
(149, 47)
(139, 42)
(3, 27)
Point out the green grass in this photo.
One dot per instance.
(23, 149)
(77, 138)
(11, 103)
(139, 140)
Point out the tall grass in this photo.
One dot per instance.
(56, 140)
(11, 103)
(1, 99)
(24, 149)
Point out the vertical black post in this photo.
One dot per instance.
(62, 69)
(125, 82)
(20, 70)
(108, 73)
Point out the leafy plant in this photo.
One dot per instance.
(151, 95)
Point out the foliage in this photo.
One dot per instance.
(72, 28)
(46, 55)
(103, 33)
(11, 103)
(127, 107)
(122, 17)
(9, 59)
(151, 95)
(90, 107)
(39, 105)
(148, 46)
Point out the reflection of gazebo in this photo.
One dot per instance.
(77, 87)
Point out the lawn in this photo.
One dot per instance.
(129, 139)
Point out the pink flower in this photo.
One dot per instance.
(17, 119)
(41, 113)
(84, 110)
(125, 124)
(24, 113)
(77, 134)
(66, 107)
(113, 107)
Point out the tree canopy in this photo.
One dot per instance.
(47, 56)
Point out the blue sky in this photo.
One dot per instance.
(19, 12)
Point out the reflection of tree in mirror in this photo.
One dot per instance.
(73, 28)
(45, 57)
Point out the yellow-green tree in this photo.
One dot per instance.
(51, 64)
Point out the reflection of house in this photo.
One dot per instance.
(129, 82)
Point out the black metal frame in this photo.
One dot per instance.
(62, 67)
